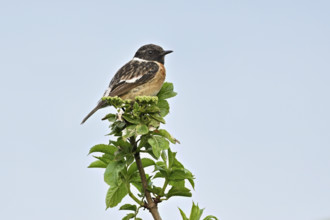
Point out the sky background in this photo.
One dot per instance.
(252, 111)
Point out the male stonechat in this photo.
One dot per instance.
(144, 75)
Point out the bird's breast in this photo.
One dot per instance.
(150, 88)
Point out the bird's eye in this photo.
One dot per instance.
(150, 52)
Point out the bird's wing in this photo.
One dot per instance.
(131, 75)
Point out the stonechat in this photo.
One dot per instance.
(144, 75)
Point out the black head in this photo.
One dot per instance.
(152, 52)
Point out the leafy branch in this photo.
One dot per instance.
(135, 130)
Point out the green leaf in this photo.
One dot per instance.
(210, 217)
(156, 190)
(196, 212)
(152, 109)
(166, 91)
(157, 117)
(115, 194)
(135, 180)
(117, 127)
(192, 183)
(129, 131)
(165, 134)
(145, 163)
(160, 165)
(184, 217)
(163, 143)
(138, 186)
(178, 175)
(143, 141)
(103, 148)
(181, 174)
(129, 159)
(151, 153)
(97, 164)
(111, 117)
(164, 156)
(155, 146)
(136, 109)
(178, 183)
(178, 191)
(111, 174)
(142, 129)
(164, 107)
(105, 158)
(171, 156)
(158, 144)
(131, 119)
(122, 144)
(177, 164)
(128, 207)
(158, 175)
(153, 123)
(129, 216)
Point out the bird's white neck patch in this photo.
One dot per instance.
(139, 59)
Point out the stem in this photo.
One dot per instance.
(164, 187)
(134, 198)
(151, 205)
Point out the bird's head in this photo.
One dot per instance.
(152, 52)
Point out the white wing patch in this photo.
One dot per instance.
(133, 80)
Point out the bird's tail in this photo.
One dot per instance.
(101, 104)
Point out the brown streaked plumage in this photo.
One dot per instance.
(143, 75)
(149, 88)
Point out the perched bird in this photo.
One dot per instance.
(144, 75)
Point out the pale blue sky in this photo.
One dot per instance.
(252, 111)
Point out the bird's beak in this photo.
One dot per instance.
(166, 52)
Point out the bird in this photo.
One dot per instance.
(144, 75)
